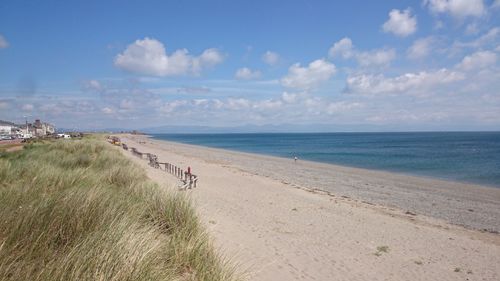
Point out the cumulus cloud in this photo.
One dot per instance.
(400, 23)
(208, 58)
(342, 48)
(378, 57)
(3, 42)
(478, 60)
(419, 82)
(246, 73)
(148, 56)
(420, 48)
(271, 58)
(308, 77)
(456, 8)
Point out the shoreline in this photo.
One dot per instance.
(470, 205)
(275, 230)
(403, 173)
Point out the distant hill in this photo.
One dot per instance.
(281, 128)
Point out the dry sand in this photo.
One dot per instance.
(265, 214)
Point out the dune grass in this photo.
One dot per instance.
(79, 210)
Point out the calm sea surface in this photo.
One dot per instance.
(461, 156)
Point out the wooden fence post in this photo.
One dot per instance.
(189, 179)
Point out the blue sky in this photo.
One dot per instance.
(355, 65)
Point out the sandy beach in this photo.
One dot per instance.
(280, 220)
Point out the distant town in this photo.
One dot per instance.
(36, 129)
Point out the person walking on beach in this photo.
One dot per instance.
(295, 159)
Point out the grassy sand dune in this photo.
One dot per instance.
(79, 210)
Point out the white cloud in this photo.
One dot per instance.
(496, 4)
(271, 58)
(93, 85)
(489, 39)
(148, 56)
(208, 58)
(457, 8)
(171, 106)
(246, 73)
(107, 110)
(490, 36)
(342, 48)
(478, 60)
(289, 97)
(308, 77)
(314, 103)
(27, 107)
(400, 23)
(237, 103)
(377, 57)
(268, 104)
(420, 48)
(342, 106)
(3, 42)
(409, 82)
(407, 116)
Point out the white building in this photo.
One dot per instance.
(7, 128)
(43, 128)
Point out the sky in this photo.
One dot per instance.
(321, 65)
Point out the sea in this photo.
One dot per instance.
(472, 157)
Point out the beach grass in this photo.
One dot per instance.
(79, 210)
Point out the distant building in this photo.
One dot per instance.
(38, 128)
(43, 128)
(7, 128)
(27, 129)
(50, 129)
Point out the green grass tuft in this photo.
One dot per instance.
(79, 210)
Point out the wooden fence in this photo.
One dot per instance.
(188, 180)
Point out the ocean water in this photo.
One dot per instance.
(460, 156)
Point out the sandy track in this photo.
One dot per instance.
(277, 232)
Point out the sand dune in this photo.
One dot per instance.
(265, 214)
